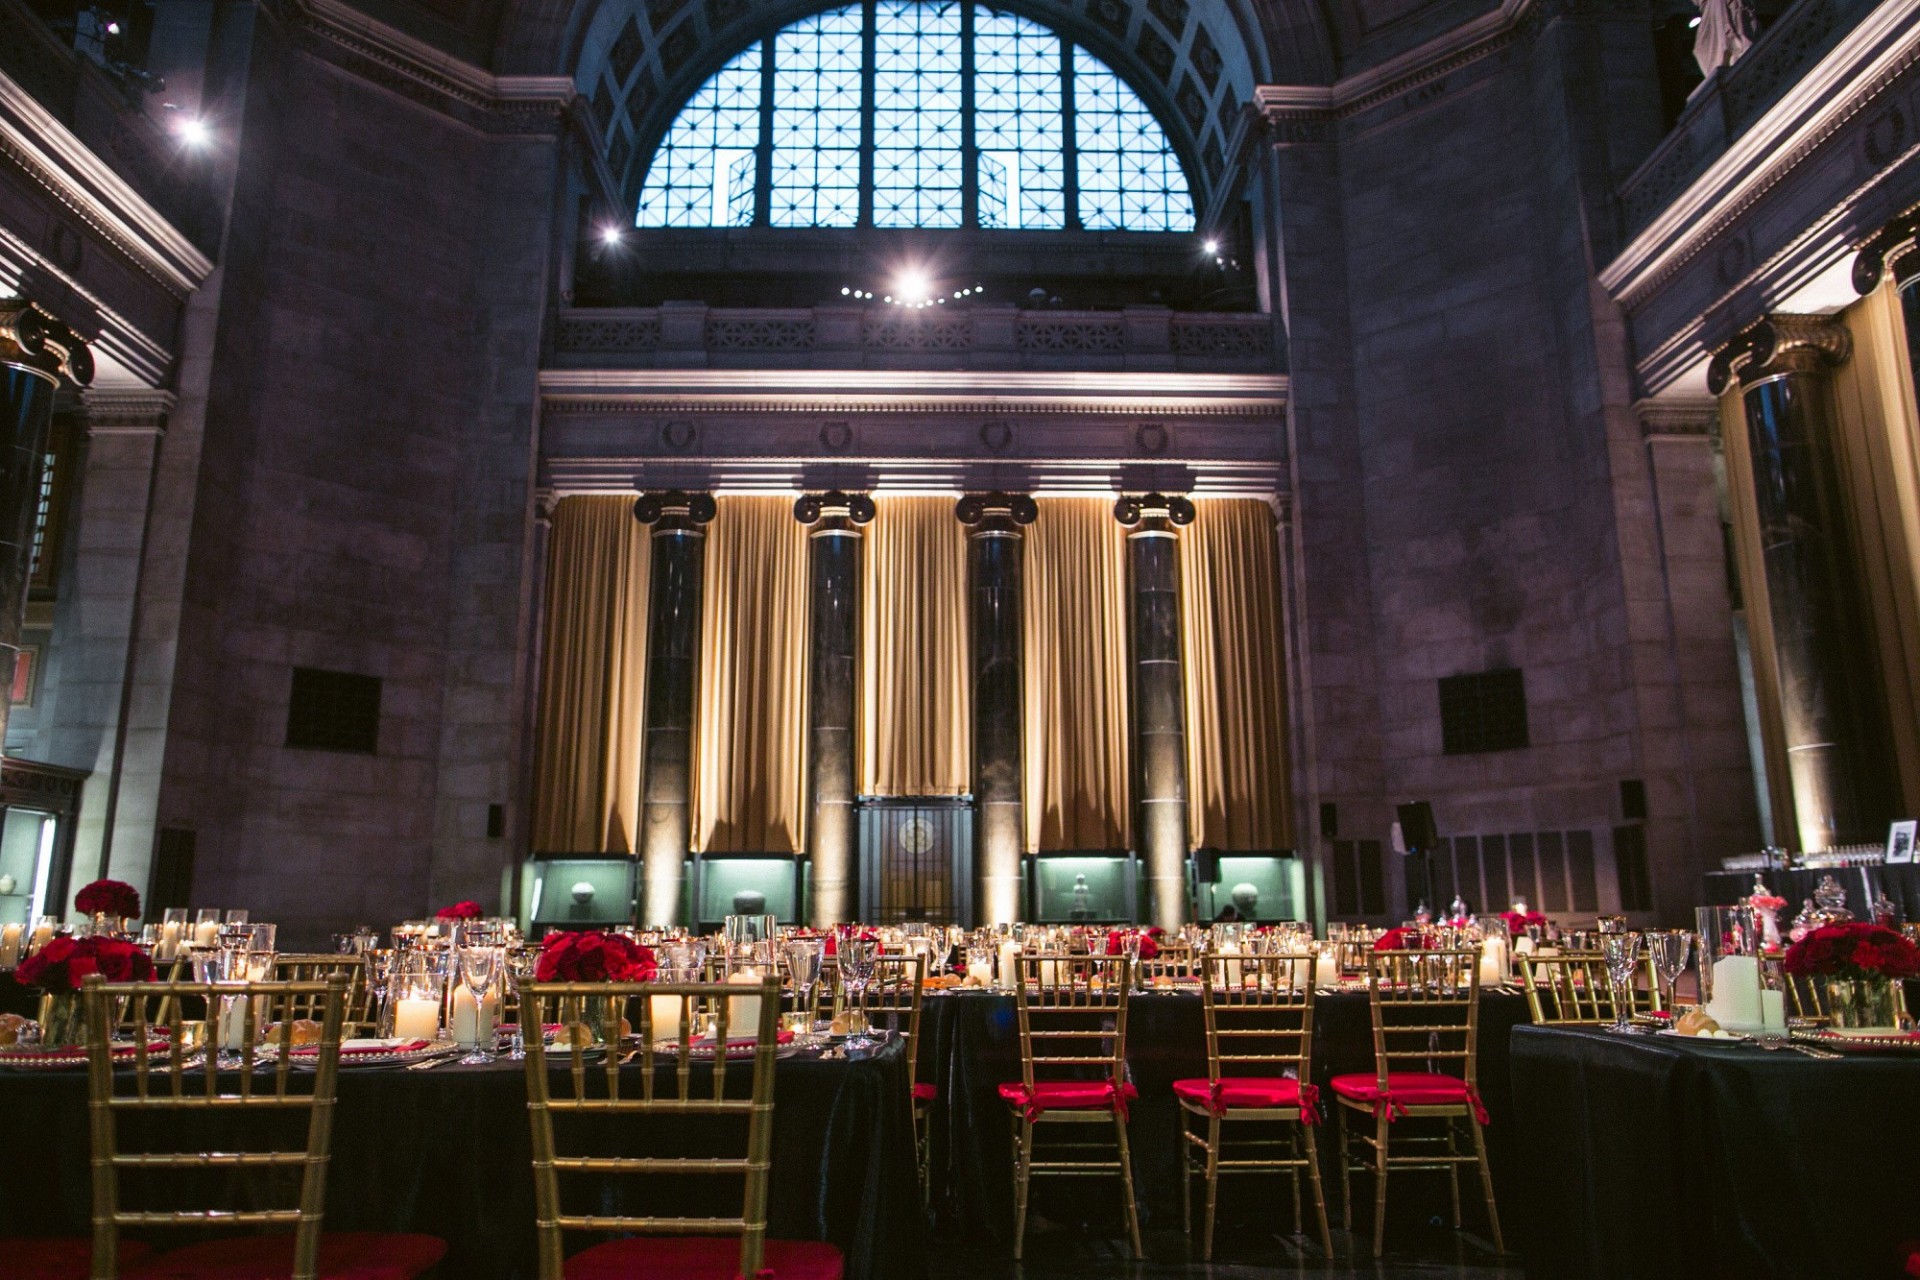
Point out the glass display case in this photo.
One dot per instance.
(38, 803)
(1266, 887)
(1100, 886)
(578, 892)
(745, 884)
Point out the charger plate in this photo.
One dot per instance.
(37, 1059)
(1860, 1041)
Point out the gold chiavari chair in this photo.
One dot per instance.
(158, 1010)
(1259, 1017)
(1174, 960)
(1573, 989)
(319, 967)
(661, 1245)
(166, 1084)
(895, 993)
(1072, 1013)
(1426, 1043)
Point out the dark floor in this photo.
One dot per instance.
(1067, 1254)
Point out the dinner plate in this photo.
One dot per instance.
(384, 1052)
(36, 1059)
(1730, 1037)
(1859, 1041)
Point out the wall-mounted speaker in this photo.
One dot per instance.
(1416, 825)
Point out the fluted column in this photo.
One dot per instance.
(994, 569)
(673, 666)
(832, 836)
(1159, 716)
(1835, 736)
(1896, 248)
(36, 351)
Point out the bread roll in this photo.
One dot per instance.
(11, 1025)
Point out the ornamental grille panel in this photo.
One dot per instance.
(915, 861)
(639, 333)
(334, 711)
(1222, 338)
(888, 333)
(1075, 337)
(729, 334)
(1485, 711)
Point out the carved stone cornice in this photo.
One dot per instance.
(1894, 244)
(1780, 343)
(833, 511)
(1679, 417)
(32, 339)
(674, 511)
(1153, 513)
(116, 411)
(996, 514)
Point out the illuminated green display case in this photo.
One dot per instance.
(1098, 886)
(578, 892)
(746, 885)
(1267, 887)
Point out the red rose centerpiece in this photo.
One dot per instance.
(1148, 940)
(1858, 964)
(1402, 939)
(62, 967)
(593, 957)
(467, 910)
(109, 899)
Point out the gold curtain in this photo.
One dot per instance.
(750, 740)
(916, 727)
(586, 787)
(1879, 455)
(1078, 794)
(1239, 788)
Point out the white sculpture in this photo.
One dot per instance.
(1725, 32)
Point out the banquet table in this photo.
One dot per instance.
(1655, 1157)
(448, 1152)
(970, 1044)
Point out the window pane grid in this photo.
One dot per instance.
(1124, 170)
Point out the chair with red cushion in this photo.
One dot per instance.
(1259, 1017)
(179, 1105)
(598, 1096)
(1073, 1063)
(58, 1257)
(892, 997)
(1426, 1037)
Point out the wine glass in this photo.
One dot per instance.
(519, 969)
(478, 965)
(804, 956)
(1668, 949)
(856, 964)
(1619, 951)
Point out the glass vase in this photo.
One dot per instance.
(588, 1022)
(1863, 1004)
(65, 1026)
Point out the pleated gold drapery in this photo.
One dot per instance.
(750, 736)
(1239, 792)
(586, 790)
(1878, 443)
(917, 728)
(1078, 794)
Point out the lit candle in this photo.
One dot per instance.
(417, 1018)
(1773, 1010)
(1235, 975)
(1009, 964)
(979, 973)
(42, 935)
(466, 1018)
(168, 946)
(233, 1023)
(743, 1012)
(206, 933)
(1736, 1002)
(1493, 961)
(10, 938)
(665, 1016)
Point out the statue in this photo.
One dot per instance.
(1246, 899)
(1725, 32)
(749, 902)
(1082, 908)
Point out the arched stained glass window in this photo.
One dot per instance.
(917, 113)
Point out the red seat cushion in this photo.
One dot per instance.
(1261, 1092)
(1410, 1089)
(58, 1257)
(1069, 1095)
(701, 1258)
(925, 1092)
(344, 1255)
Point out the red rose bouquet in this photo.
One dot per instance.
(1149, 941)
(594, 957)
(1853, 951)
(113, 898)
(467, 910)
(1518, 922)
(65, 963)
(1401, 940)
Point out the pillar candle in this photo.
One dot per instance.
(1736, 993)
(1773, 1010)
(743, 1012)
(665, 1011)
(169, 945)
(417, 1019)
(10, 937)
(1234, 973)
(1009, 965)
(206, 933)
(42, 935)
(1493, 961)
(980, 973)
(233, 1021)
(465, 1019)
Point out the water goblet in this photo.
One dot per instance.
(856, 965)
(478, 965)
(804, 957)
(1669, 948)
(1620, 951)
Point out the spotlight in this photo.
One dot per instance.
(844, 291)
(113, 28)
(1692, 23)
(610, 236)
(912, 284)
(1210, 246)
(193, 131)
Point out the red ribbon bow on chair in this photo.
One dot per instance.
(1309, 1095)
(1397, 1110)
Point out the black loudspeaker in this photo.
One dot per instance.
(1633, 800)
(1416, 825)
(496, 821)
(1329, 820)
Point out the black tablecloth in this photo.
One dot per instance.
(448, 1152)
(1657, 1157)
(970, 1044)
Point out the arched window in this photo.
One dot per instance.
(917, 113)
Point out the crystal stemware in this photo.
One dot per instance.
(478, 965)
(856, 965)
(1669, 949)
(804, 957)
(1619, 951)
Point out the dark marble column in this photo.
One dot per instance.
(1836, 738)
(673, 667)
(832, 835)
(1159, 703)
(35, 352)
(994, 566)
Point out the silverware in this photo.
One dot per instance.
(1773, 1044)
(431, 1063)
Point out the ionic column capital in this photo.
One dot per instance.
(834, 512)
(31, 338)
(674, 511)
(1896, 244)
(1777, 344)
(1153, 513)
(996, 514)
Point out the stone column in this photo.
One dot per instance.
(832, 837)
(1835, 736)
(673, 666)
(1159, 715)
(35, 351)
(994, 569)
(1896, 247)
